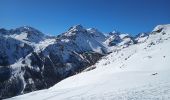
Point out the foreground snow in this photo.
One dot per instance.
(138, 72)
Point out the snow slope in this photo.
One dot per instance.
(137, 72)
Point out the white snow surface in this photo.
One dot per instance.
(137, 72)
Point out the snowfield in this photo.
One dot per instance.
(138, 72)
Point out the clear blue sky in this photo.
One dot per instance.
(56, 16)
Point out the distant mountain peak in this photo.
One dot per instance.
(78, 27)
(92, 30)
(27, 29)
(3, 31)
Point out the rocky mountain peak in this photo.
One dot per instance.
(92, 30)
(3, 31)
(27, 29)
(114, 32)
(77, 28)
(26, 34)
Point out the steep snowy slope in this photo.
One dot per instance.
(138, 72)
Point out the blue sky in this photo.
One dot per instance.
(56, 16)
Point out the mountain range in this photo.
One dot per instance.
(99, 65)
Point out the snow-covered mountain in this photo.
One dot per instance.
(25, 34)
(30, 60)
(138, 71)
(119, 39)
(12, 49)
(84, 40)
